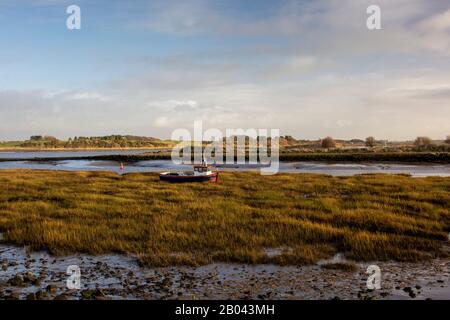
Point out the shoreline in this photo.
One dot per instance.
(40, 276)
(411, 158)
(157, 166)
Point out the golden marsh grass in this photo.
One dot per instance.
(367, 217)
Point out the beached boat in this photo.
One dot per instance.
(201, 173)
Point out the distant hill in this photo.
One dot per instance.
(112, 141)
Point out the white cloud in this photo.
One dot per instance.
(335, 26)
(309, 68)
(161, 121)
(95, 96)
(438, 22)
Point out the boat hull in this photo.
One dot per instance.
(170, 177)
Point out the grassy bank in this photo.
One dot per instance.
(411, 157)
(394, 157)
(397, 157)
(371, 217)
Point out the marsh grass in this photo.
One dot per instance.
(367, 217)
(343, 266)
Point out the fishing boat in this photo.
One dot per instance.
(201, 173)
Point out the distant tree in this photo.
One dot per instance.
(370, 142)
(36, 138)
(447, 141)
(50, 138)
(328, 142)
(423, 141)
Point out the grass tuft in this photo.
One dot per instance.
(344, 266)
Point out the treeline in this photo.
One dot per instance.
(287, 144)
(370, 143)
(112, 141)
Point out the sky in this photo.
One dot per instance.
(309, 68)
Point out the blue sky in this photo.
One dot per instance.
(309, 68)
(34, 35)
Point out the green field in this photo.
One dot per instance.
(307, 217)
(10, 144)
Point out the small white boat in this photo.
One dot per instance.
(201, 173)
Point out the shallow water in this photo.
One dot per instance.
(336, 169)
(348, 169)
(74, 154)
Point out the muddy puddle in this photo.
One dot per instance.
(37, 275)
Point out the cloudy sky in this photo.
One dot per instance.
(309, 68)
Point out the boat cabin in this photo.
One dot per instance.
(202, 173)
(201, 170)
